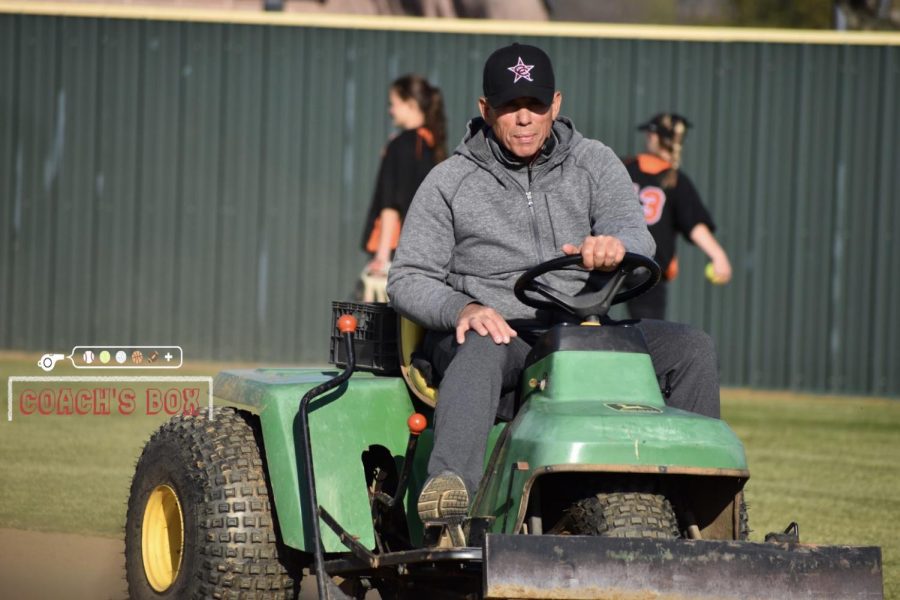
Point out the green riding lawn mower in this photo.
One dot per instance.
(596, 489)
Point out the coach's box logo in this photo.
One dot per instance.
(104, 396)
(105, 400)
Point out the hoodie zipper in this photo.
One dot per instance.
(534, 223)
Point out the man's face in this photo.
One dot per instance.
(521, 125)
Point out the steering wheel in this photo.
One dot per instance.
(589, 306)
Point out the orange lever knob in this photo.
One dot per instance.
(416, 423)
(346, 324)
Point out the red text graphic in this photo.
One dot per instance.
(109, 400)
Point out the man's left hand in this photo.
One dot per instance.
(600, 252)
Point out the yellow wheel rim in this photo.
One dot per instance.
(162, 538)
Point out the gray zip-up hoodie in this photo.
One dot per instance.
(479, 220)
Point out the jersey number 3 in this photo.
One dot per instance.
(653, 199)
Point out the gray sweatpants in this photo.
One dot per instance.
(475, 374)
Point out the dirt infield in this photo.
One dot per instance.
(41, 566)
(35, 566)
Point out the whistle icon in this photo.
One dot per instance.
(48, 361)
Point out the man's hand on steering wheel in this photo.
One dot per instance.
(598, 252)
(587, 305)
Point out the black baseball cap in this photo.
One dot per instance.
(664, 124)
(518, 71)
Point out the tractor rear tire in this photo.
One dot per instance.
(624, 515)
(199, 521)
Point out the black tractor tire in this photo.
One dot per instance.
(202, 486)
(625, 515)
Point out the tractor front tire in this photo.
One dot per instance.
(625, 515)
(199, 521)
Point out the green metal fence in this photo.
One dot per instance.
(205, 184)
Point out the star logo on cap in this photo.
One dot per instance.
(521, 70)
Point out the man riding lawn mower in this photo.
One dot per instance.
(596, 489)
(570, 456)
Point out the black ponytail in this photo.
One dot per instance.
(671, 137)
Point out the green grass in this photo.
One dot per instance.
(829, 463)
(69, 474)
